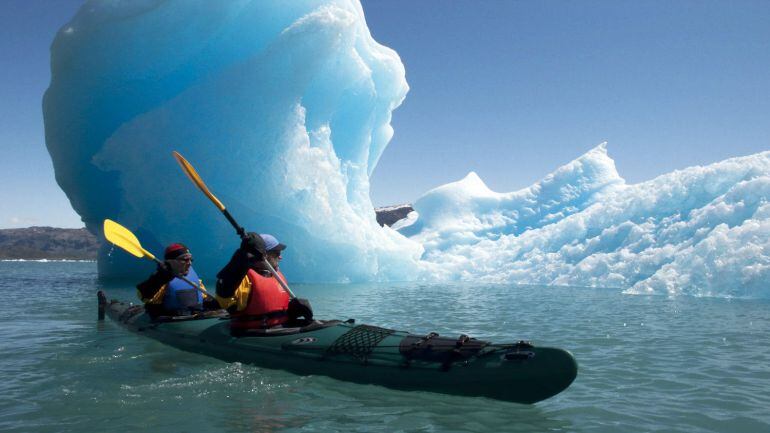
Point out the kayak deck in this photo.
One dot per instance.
(518, 372)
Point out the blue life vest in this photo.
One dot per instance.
(181, 296)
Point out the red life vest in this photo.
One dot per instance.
(267, 306)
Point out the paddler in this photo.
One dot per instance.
(164, 293)
(252, 294)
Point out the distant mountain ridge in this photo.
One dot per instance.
(37, 243)
(34, 243)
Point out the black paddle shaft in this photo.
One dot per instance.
(238, 228)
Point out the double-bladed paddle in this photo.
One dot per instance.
(189, 170)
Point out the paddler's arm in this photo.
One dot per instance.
(252, 249)
(230, 277)
(240, 298)
(151, 287)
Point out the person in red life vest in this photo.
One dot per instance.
(253, 294)
(164, 293)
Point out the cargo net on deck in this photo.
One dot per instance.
(359, 342)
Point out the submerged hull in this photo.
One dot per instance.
(367, 354)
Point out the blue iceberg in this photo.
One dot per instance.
(284, 108)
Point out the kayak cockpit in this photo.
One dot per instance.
(126, 313)
(211, 314)
(307, 326)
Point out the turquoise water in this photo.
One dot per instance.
(647, 363)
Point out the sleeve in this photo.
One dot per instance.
(231, 277)
(152, 288)
(155, 299)
(240, 297)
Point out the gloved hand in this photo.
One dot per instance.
(171, 268)
(254, 244)
(299, 307)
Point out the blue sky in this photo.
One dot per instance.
(508, 89)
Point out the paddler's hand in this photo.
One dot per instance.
(171, 268)
(253, 243)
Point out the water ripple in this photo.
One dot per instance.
(647, 363)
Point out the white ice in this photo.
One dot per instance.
(701, 231)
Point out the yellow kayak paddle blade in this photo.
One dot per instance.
(196, 179)
(123, 238)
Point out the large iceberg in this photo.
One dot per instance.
(702, 231)
(284, 108)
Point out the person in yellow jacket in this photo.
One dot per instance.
(252, 293)
(164, 293)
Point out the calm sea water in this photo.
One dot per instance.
(647, 363)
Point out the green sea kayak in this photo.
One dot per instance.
(518, 372)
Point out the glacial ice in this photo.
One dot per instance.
(701, 231)
(284, 109)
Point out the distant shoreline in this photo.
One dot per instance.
(47, 243)
(52, 244)
(45, 261)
